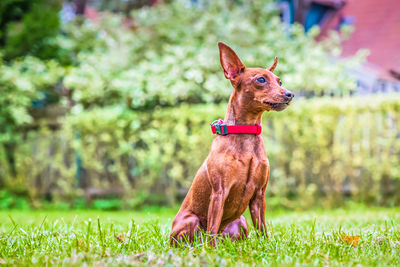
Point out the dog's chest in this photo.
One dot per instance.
(243, 160)
(244, 185)
(253, 174)
(254, 162)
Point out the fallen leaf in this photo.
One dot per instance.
(351, 239)
(120, 238)
(81, 244)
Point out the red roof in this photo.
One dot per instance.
(377, 28)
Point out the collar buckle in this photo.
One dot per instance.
(218, 128)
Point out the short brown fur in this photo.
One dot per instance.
(235, 174)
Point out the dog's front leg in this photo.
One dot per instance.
(257, 211)
(215, 212)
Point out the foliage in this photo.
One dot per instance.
(27, 38)
(11, 201)
(321, 151)
(121, 83)
(106, 204)
(21, 83)
(171, 56)
(141, 239)
(27, 27)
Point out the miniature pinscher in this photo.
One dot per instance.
(235, 174)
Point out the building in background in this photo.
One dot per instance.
(376, 28)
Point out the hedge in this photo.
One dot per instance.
(322, 152)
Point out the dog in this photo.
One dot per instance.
(235, 174)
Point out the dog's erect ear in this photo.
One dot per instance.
(273, 66)
(230, 62)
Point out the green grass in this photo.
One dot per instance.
(295, 238)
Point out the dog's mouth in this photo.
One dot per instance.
(277, 106)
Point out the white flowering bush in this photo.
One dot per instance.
(170, 56)
(22, 82)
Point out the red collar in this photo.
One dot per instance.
(218, 127)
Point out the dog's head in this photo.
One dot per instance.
(260, 88)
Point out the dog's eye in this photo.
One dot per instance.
(280, 83)
(261, 80)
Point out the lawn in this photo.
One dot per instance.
(141, 238)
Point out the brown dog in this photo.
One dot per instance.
(236, 172)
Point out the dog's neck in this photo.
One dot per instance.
(238, 112)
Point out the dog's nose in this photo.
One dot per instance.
(289, 95)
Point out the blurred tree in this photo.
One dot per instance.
(26, 27)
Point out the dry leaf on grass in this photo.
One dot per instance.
(351, 239)
(120, 238)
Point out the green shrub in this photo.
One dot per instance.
(28, 27)
(21, 83)
(9, 200)
(171, 56)
(122, 131)
(106, 204)
(322, 152)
